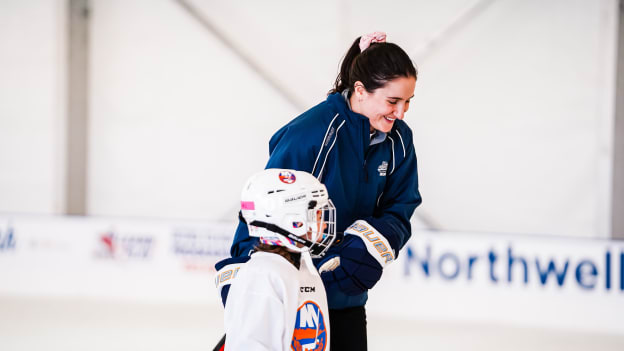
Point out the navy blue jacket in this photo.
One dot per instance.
(377, 183)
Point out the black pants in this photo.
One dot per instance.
(348, 329)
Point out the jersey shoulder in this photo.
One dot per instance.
(270, 266)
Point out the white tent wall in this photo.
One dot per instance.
(32, 106)
(514, 117)
(513, 110)
(512, 113)
(174, 115)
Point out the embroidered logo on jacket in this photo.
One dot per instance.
(310, 329)
(329, 136)
(383, 167)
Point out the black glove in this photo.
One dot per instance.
(362, 255)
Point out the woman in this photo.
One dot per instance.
(356, 143)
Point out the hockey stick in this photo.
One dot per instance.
(220, 345)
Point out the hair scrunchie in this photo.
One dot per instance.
(375, 37)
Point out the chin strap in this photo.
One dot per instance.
(279, 230)
(276, 229)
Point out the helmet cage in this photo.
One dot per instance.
(321, 228)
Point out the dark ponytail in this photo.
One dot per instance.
(374, 67)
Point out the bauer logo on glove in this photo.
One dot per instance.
(376, 244)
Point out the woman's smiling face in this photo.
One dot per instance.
(384, 105)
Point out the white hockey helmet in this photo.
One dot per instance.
(289, 208)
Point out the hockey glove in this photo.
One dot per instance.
(362, 255)
(227, 270)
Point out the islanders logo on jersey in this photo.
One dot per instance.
(310, 329)
(287, 177)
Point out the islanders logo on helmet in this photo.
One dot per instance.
(287, 177)
(310, 328)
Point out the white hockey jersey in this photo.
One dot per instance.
(272, 305)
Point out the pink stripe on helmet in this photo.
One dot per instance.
(247, 205)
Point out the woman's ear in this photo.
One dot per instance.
(359, 90)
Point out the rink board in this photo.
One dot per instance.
(522, 280)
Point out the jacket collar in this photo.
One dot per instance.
(341, 102)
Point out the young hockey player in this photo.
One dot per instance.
(277, 300)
